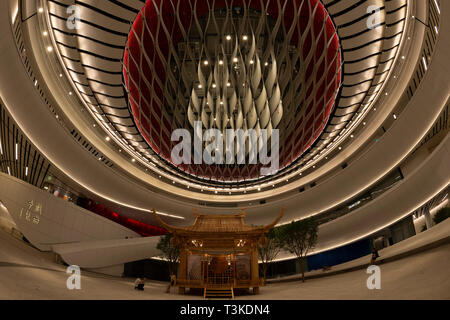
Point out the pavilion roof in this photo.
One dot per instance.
(212, 223)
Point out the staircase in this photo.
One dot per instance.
(218, 293)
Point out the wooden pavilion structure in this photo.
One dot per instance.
(219, 252)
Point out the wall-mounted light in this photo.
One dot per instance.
(425, 63)
(437, 6)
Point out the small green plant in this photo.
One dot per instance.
(441, 215)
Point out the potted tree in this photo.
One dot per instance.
(441, 215)
(169, 252)
(269, 250)
(299, 238)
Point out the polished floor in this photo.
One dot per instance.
(26, 273)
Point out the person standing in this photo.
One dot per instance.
(173, 282)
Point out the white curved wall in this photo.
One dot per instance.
(411, 193)
(6, 220)
(99, 254)
(60, 222)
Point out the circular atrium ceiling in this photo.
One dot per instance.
(309, 70)
(232, 65)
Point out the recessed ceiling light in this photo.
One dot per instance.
(235, 60)
(108, 138)
(45, 33)
(41, 10)
(49, 49)
(214, 85)
(200, 86)
(221, 62)
(245, 38)
(133, 160)
(228, 37)
(206, 62)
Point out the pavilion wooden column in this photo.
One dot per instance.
(182, 274)
(255, 270)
